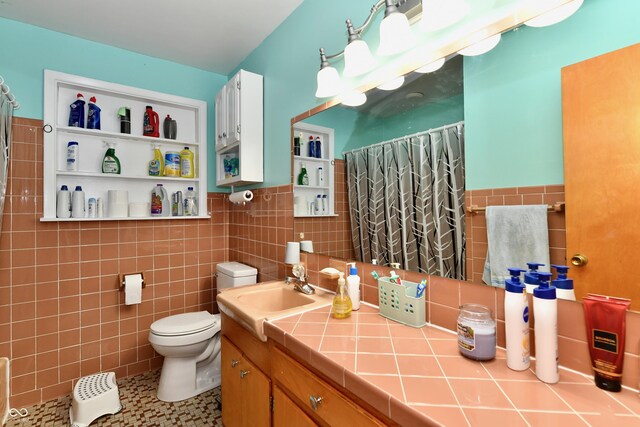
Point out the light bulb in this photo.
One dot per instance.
(392, 84)
(555, 15)
(329, 82)
(431, 67)
(357, 59)
(354, 99)
(481, 47)
(395, 34)
(439, 14)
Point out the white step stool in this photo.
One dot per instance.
(94, 396)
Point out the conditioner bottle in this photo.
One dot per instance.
(545, 309)
(516, 322)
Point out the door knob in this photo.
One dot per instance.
(579, 260)
(244, 374)
(234, 363)
(315, 401)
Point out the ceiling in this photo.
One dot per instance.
(213, 35)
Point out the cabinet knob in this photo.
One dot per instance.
(234, 363)
(315, 401)
(244, 374)
(579, 260)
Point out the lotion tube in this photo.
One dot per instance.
(516, 319)
(545, 309)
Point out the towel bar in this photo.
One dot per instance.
(556, 207)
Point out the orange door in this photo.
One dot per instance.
(601, 125)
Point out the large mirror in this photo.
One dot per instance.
(510, 103)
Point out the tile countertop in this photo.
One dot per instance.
(416, 376)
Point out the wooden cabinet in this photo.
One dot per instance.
(286, 413)
(321, 401)
(133, 150)
(245, 390)
(320, 172)
(239, 130)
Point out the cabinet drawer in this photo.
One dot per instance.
(321, 399)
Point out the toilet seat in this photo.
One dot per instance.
(185, 324)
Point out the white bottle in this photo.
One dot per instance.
(77, 203)
(320, 177)
(545, 310)
(318, 206)
(563, 285)
(353, 286)
(91, 212)
(99, 207)
(325, 205)
(72, 156)
(63, 203)
(516, 322)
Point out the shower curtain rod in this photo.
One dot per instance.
(355, 150)
(6, 91)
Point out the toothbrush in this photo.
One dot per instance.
(421, 287)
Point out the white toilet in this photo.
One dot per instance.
(190, 343)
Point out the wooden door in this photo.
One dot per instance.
(286, 413)
(256, 390)
(231, 385)
(601, 125)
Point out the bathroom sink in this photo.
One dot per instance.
(252, 305)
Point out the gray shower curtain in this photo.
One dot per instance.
(6, 114)
(406, 200)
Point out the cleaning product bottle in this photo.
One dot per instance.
(312, 147)
(160, 202)
(531, 277)
(303, 177)
(186, 163)
(516, 322)
(93, 115)
(111, 163)
(190, 203)
(564, 286)
(545, 310)
(341, 307)
(63, 203)
(170, 128)
(76, 115)
(150, 124)
(353, 286)
(156, 166)
(296, 146)
(318, 150)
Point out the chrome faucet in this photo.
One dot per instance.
(299, 282)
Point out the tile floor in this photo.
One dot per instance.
(141, 408)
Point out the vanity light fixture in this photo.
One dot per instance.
(357, 56)
(395, 31)
(354, 99)
(439, 14)
(329, 82)
(392, 84)
(482, 46)
(555, 15)
(430, 68)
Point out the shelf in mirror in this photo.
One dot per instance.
(311, 187)
(311, 159)
(124, 136)
(129, 218)
(122, 176)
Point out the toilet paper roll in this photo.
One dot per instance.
(118, 196)
(118, 210)
(241, 197)
(306, 246)
(138, 209)
(133, 289)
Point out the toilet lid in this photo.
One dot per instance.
(183, 324)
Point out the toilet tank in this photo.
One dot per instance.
(234, 274)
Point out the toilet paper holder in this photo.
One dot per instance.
(122, 278)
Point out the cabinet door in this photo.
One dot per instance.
(221, 118)
(232, 397)
(255, 396)
(233, 110)
(286, 413)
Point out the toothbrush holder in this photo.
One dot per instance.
(399, 302)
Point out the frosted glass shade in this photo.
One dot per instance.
(392, 84)
(329, 83)
(555, 15)
(439, 14)
(354, 99)
(433, 66)
(481, 47)
(395, 34)
(357, 59)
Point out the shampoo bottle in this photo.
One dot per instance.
(545, 309)
(563, 285)
(531, 276)
(341, 307)
(516, 321)
(353, 286)
(111, 163)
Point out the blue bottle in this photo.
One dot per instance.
(76, 115)
(531, 277)
(318, 148)
(312, 147)
(564, 285)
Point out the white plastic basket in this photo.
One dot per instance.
(399, 303)
(94, 396)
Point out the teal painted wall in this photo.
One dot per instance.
(28, 50)
(512, 95)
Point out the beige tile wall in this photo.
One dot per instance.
(61, 314)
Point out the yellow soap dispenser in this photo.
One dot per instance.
(341, 308)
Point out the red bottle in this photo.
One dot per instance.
(151, 124)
